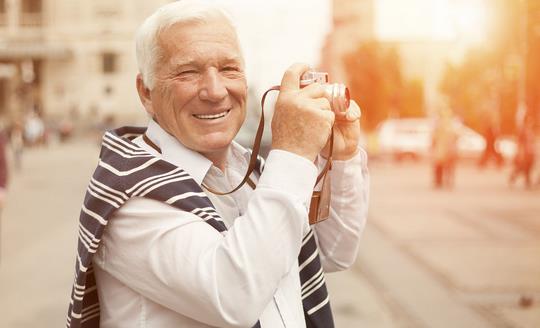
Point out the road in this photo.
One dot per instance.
(467, 257)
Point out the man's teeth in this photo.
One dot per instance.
(211, 117)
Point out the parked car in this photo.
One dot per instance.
(411, 138)
(405, 138)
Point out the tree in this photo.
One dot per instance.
(377, 85)
(481, 90)
(413, 99)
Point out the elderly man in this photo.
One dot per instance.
(158, 249)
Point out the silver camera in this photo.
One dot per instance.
(336, 93)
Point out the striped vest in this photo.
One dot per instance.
(126, 170)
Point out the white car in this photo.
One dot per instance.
(404, 138)
(412, 138)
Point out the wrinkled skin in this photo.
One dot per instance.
(303, 120)
(200, 74)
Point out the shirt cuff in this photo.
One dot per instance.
(344, 172)
(288, 172)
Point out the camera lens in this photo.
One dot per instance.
(338, 96)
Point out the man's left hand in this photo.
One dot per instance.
(346, 134)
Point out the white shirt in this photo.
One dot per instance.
(161, 267)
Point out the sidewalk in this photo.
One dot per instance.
(428, 258)
(432, 258)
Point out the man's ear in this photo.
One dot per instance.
(145, 96)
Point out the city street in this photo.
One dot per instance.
(467, 257)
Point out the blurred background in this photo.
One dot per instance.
(450, 98)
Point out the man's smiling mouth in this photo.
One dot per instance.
(213, 116)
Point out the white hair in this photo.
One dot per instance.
(147, 48)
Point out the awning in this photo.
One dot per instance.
(10, 51)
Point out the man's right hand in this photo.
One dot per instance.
(303, 117)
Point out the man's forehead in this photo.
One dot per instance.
(185, 53)
(181, 42)
(220, 26)
(214, 26)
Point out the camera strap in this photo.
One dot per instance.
(254, 152)
(320, 200)
(319, 209)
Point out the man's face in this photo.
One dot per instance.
(200, 90)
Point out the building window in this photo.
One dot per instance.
(31, 6)
(31, 12)
(3, 13)
(109, 62)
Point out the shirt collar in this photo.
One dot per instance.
(191, 161)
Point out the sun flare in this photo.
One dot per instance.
(431, 20)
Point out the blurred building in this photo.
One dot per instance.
(427, 61)
(69, 56)
(424, 55)
(352, 24)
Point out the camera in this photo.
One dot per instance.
(336, 93)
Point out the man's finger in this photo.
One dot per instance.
(291, 78)
(329, 115)
(314, 90)
(353, 113)
(322, 103)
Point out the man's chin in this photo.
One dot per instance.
(213, 143)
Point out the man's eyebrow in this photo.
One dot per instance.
(183, 62)
(236, 59)
(189, 61)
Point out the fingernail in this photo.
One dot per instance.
(353, 114)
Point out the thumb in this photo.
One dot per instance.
(353, 112)
(291, 78)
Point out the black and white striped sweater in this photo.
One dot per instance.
(126, 170)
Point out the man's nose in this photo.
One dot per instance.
(212, 87)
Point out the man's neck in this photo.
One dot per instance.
(218, 158)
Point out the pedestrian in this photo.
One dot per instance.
(169, 252)
(525, 155)
(3, 179)
(34, 129)
(491, 134)
(444, 149)
(16, 142)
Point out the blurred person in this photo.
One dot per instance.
(34, 129)
(3, 178)
(491, 133)
(16, 142)
(170, 253)
(444, 149)
(65, 129)
(525, 155)
(3, 169)
(69, 124)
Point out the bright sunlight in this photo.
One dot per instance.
(431, 20)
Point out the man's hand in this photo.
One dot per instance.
(346, 134)
(302, 117)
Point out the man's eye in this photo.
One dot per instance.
(230, 69)
(186, 72)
